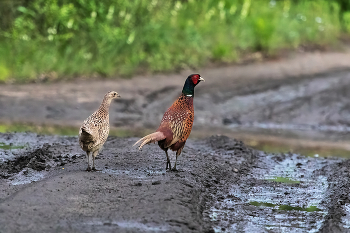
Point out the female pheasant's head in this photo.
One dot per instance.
(190, 83)
(112, 95)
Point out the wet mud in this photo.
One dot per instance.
(221, 186)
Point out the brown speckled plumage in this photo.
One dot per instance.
(179, 118)
(176, 124)
(94, 131)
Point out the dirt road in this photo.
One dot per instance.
(222, 186)
(305, 91)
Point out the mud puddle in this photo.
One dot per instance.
(283, 195)
(128, 226)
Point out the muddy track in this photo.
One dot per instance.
(45, 188)
(222, 186)
(338, 217)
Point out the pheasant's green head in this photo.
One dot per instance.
(190, 83)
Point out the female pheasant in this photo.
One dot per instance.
(94, 131)
(177, 122)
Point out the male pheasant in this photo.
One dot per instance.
(177, 122)
(94, 131)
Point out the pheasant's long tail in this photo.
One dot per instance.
(153, 137)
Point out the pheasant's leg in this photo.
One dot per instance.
(168, 161)
(93, 160)
(88, 161)
(174, 168)
(177, 155)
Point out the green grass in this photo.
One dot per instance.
(61, 39)
(284, 180)
(285, 207)
(65, 130)
(48, 130)
(9, 147)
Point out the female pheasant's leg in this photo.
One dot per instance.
(168, 161)
(88, 161)
(93, 160)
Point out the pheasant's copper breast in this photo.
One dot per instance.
(179, 118)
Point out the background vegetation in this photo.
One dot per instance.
(42, 39)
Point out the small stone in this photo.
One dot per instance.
(156, 182)
(235, 170)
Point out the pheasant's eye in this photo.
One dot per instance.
(114, 94)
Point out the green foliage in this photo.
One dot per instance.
(346, 20)
(62, 38)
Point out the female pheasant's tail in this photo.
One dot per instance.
(153, 137)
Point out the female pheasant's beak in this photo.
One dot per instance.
(201, 79)
(118, 96)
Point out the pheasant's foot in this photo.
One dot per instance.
(174, 168)
(95, 170)
(168, 166)
(88, 169)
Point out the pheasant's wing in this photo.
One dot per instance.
(85, 136)
(180, 123)
(88, 134)
(86, 140)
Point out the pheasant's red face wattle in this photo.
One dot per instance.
(195, 79)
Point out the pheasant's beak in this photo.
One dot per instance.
(118, 96)
(201, 79)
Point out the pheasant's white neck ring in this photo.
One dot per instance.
(189, 95)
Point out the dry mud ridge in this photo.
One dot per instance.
(222, 186)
